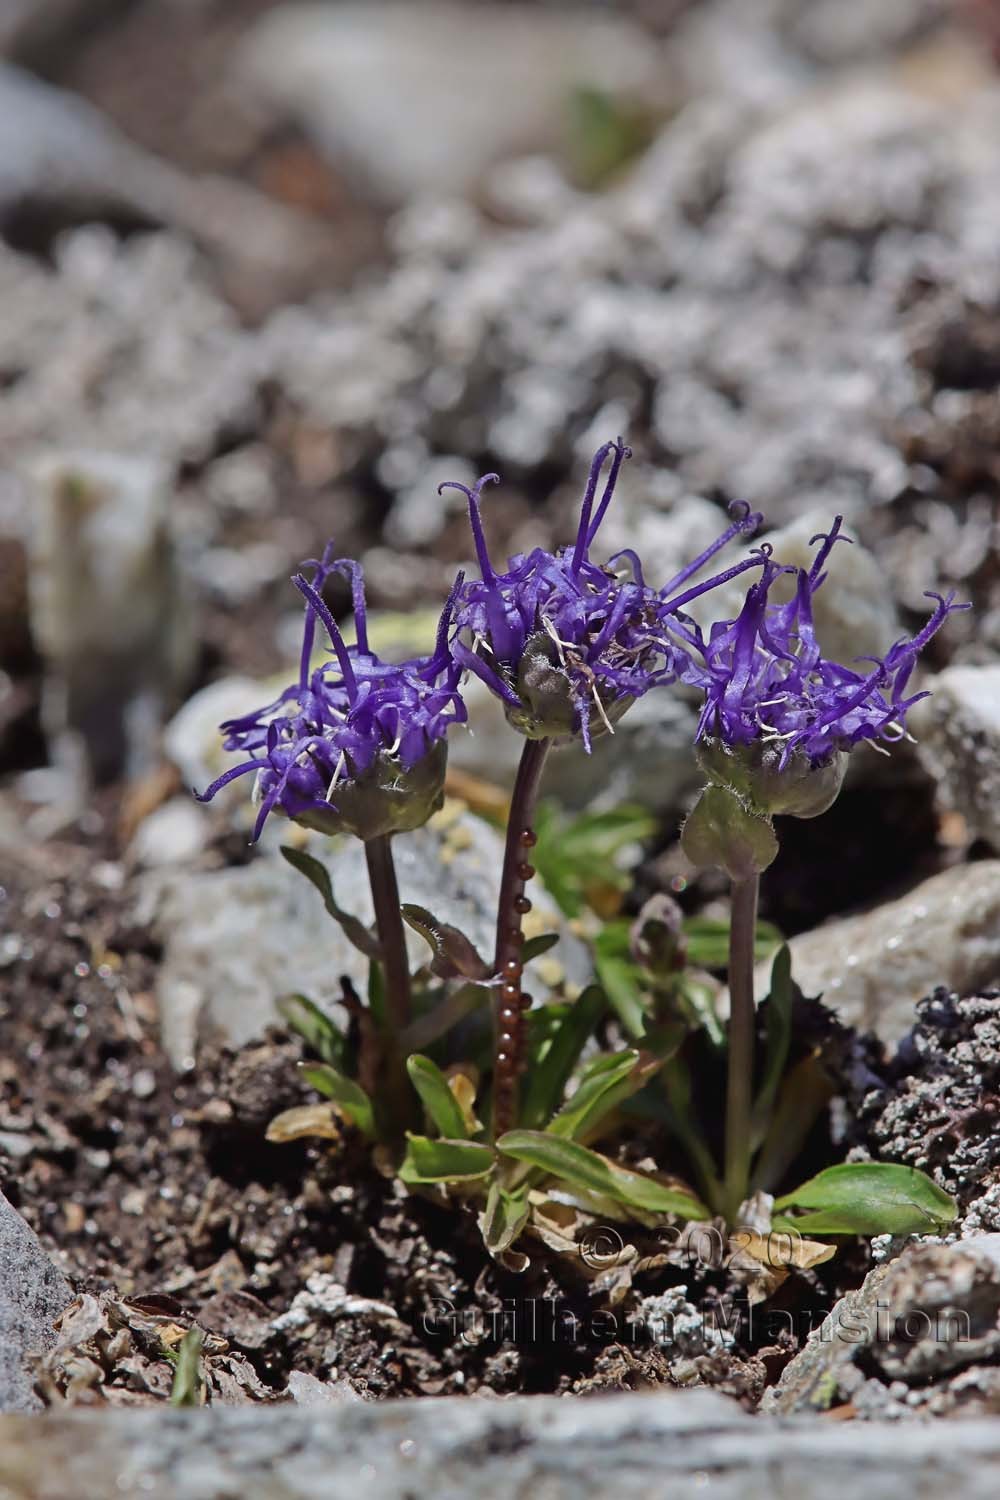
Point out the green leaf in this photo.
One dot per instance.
(503, 1218)
(433, 1023)
(453, 953)
(353, 929)
(804, 1092)
(621, 981)
(870, 1198)
(684, 1124)
(438, 1099)
(318, 1030)
(548, 1078)
(779, 1036)
(186, 1389)
(536, 946)
(602, 835)
(442, 1160)
(605, 1081)
(610, 1079)
(572, 855)
(349, 1096)
(583, 1168)
(707, 940)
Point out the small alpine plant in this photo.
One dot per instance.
(777, 726)
(567, 645)
(357, 745)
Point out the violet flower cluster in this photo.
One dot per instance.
(568, 644)
(357, 744)
(766, 681)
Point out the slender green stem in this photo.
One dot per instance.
(391, 933)
(742, 1026)
(509, 1002)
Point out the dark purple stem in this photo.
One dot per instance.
(742, 1026)
(510, 1002)
(391, 934)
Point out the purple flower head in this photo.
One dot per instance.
(769, 688)
(568, 644)
(357, 744)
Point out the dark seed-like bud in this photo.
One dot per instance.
(515, 936)
(512, 968)
(529, 838)
(525, 872)
(522, 904)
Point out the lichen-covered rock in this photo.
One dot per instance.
(959, 743)
(918, 1338)
(237, 939)
(940, 1107)
(632, 1446)
(32, 1295)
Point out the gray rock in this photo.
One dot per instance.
(174, 834)
(913, 1340)
(926, 1115)
(61, 152)
(377, 87)
(32, 1295)
(730, 283)
(958, 735)
(192, 740)
(27, 25)
(874, 967)
(236, 939)
(632, 1446)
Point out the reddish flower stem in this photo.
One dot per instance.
(742, 1025)
(510, 1002)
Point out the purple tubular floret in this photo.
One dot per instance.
(332, 724)
(610, 638)
(765, 679)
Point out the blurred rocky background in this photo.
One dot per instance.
(270, 271)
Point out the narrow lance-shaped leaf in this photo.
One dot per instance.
(503, 1218)
(187, 1384)
(453, 953)
(426, 1028)
(318, 1030)
(429, 1161)
(440, 1103)
(621, 981)
(605, 1081)
(579, 1166)
(609, 1080)
(868, 1198)
(353, 929)
(349, 1096)
(548, 1077)
(536, 946)
(707, 940)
